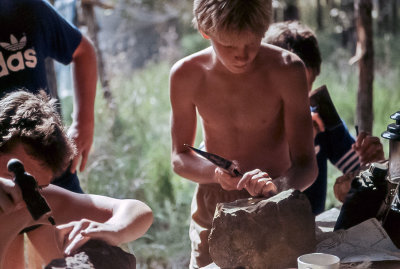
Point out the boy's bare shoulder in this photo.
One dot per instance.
(285, 69)
(278, 59)
(192, 66)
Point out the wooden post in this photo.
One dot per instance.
(291, 11)
(330, 3)
(89, 17)
(365, 58)
(384, 16)
(348, 33)
(319, 15)
(52, 78)
(52, 82)
(394, 16)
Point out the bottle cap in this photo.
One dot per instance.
(393, 129)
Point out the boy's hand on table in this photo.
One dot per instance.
(369, 148)
(73, 235)
(258, 183)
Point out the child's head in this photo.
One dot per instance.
(299, 39)
(218, 16)
(33, 121)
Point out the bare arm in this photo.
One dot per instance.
(85, 79)
(14, 217)
(299, 132)
(84, 216)
(183, 127)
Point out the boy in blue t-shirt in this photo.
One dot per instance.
(30, 32)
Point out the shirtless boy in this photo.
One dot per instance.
(253, 103)
(31, 131)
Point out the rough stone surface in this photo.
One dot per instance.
(263, 233)
(96, 254)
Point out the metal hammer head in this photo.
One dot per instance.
(15, 166)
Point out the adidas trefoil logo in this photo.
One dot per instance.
(14, 44)
(15, 57)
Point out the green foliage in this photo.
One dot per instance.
(66, 110)
(193, 42)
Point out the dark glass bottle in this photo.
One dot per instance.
(365, 197)
(391, 220)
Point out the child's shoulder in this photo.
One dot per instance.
(278, 58)
(196, 62)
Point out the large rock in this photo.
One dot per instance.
(96, 254)
(263, 233)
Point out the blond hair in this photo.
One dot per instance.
(216, 16)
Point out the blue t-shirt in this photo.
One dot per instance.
(30, 31)
(333, 145)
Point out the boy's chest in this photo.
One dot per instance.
(238, 103)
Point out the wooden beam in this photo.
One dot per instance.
(365, 58)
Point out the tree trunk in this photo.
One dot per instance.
(291, 11)
(330, 3)
(51, 77)
(320, 25)
(52, 82)
(384, 16)
(363, 11)
(90, 21)
(394, 16)
(348, 33)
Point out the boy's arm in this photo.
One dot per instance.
(183, 126)
(90, 216)
(85, 79)
(298, 128)
(14, 217)
(339, 149)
